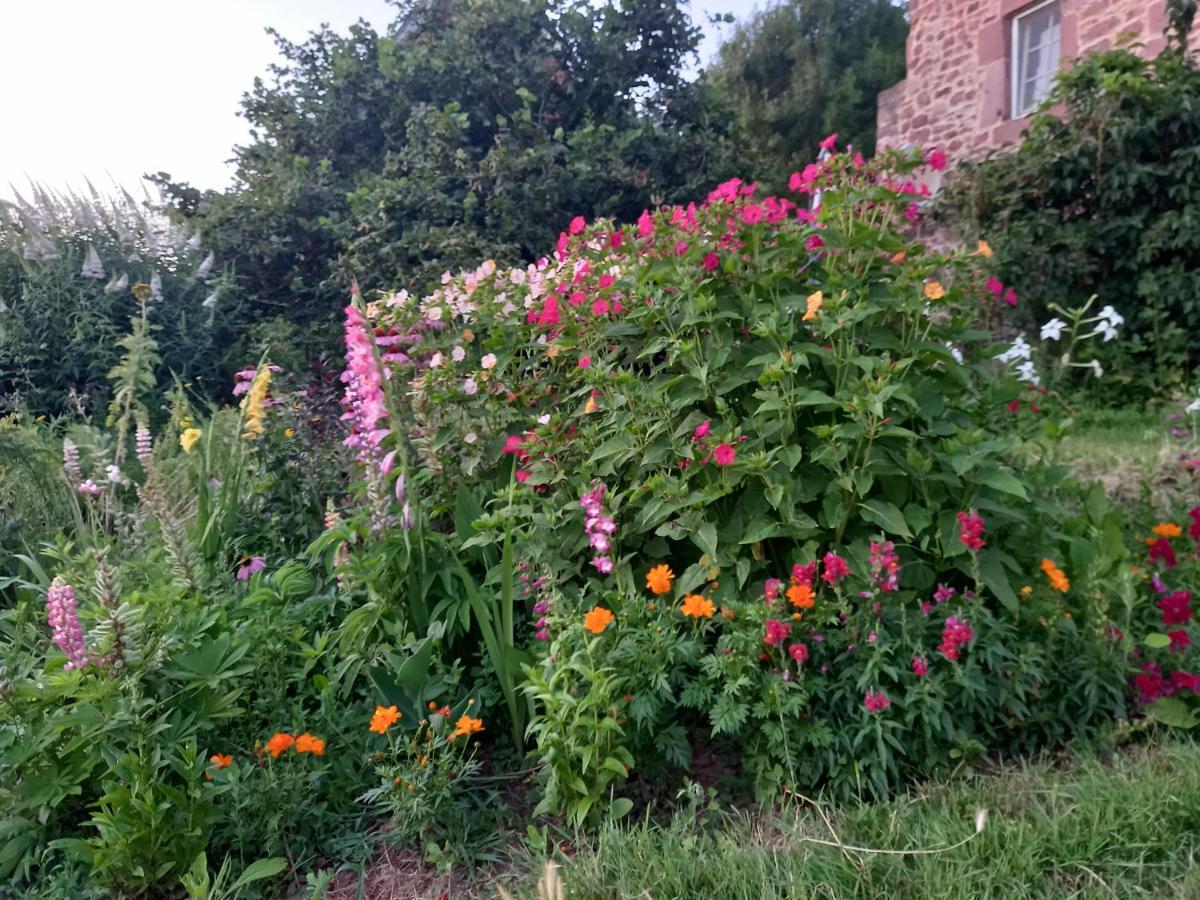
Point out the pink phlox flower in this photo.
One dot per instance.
(724, 454)
(577, 225)
(1176, 608)
(937, 159)
(830, 142)
(645, 224)
(711, 261)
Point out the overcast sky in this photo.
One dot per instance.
(112, 89)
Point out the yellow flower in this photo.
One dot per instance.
(1167, 530)
(934, 290)
(187, 440)
(254, 405)
(141, 291)
(598, 619)
(815, 301)
(984, 250)
(289, 432)
(697, 607)
(467, 726)
(659, 579)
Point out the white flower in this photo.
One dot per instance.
(517, 276)
(397, 300)
(1107, 329)
(470, 437)
(433, 313)
(1112, 317)
(489, 361)
(544, 420)
(1053, 329)
(458, 354)
(470, 387)
(1020, 349)
(955, 352)
(116, 476)
(436, 360)
(1097, 369)
(1026, 372)
(1194, 406)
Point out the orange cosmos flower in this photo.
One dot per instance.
(1168, 530)
(899, 257)
(1058, 578)
(467, 726)
(814, 303)
(385, 717)
(307, 743)
(221, 761)
(934, 290)
(697, 607)
(278, 743)
(800, 596)
(597, 620)
(659, 579)
(984, 250)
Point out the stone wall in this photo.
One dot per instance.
(957, 93)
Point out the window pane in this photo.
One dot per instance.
(1036, 56)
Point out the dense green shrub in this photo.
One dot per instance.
(1101, 197)
(733, 390)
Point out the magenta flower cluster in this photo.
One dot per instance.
(955, 635)
(63, 618)
(599, 527)
(885, 566)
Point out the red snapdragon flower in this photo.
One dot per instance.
(777, 632)
(970, 533)
(876, 701)
(1176, 608)
(836, 568)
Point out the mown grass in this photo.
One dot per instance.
(1123, 827)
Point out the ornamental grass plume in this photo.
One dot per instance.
(63, 617)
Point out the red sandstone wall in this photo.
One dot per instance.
(956, 95)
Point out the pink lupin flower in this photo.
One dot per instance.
(63, 618)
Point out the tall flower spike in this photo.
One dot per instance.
(63, 618)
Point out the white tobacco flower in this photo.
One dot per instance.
(1027, 372)
(1112, 317)
(1107, 329)
(1052, 330)
(1194, 406)
(1097, 369)
(1020, 349)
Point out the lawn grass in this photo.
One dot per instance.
(1126, 826)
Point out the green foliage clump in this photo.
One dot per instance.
(1101, 199)
(740, 391)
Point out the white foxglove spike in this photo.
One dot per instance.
(92, 266)
(194, 241)
(118, 284)
(210, 302)
(156, 293)
(205, 267)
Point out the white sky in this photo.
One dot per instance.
(111, 89)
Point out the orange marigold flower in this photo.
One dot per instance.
(659, 578)
(800, 596)
(1168, 530)
(597, 620)
(385, 717)
(221, 761)
(697, 607)
(467, 726)
(934, 290)
(308, 743)
(278, 743)
(899, 257)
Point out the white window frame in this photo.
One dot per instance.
(1015, 61)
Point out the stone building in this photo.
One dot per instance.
(978, 68)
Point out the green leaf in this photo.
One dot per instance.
(886, 516)
(260, 869)
(991, 572)
(620, 807)
(1005, 482)
(1173, 712)
(1156, 641)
